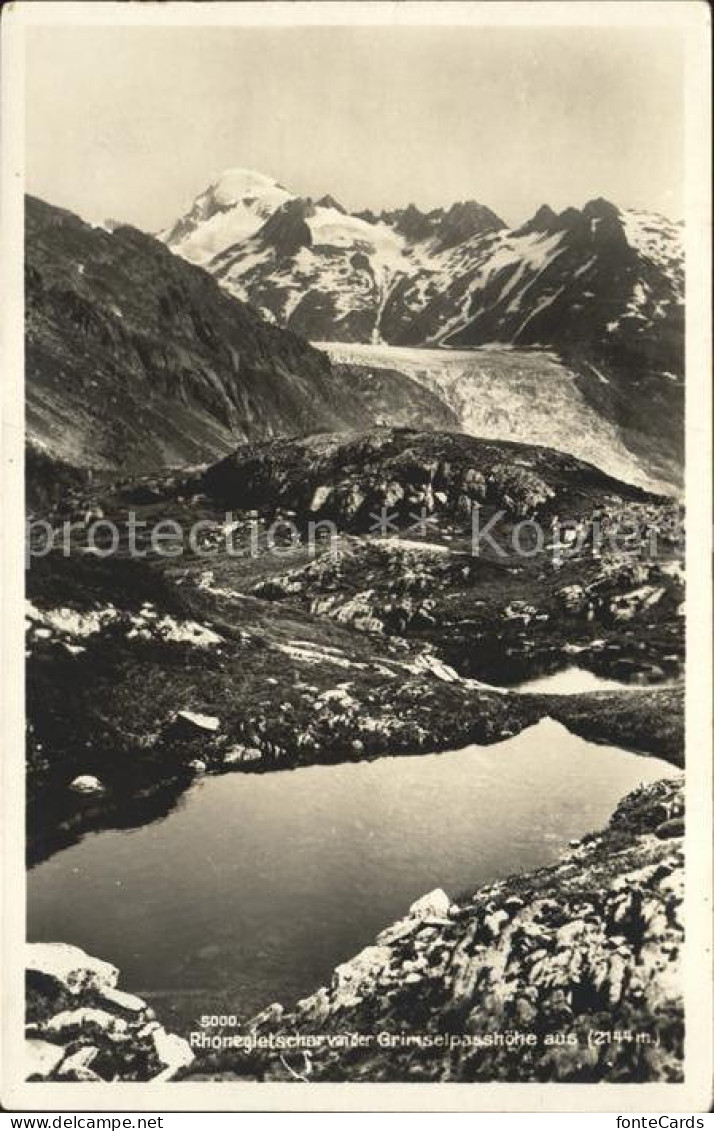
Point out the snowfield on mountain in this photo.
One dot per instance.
(599, 290)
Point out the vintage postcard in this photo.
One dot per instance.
(356, 465)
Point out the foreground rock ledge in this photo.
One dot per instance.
(570, 973)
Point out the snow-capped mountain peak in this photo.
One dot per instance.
(233, 208)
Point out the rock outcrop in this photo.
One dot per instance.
(568, 974)
(138, 360)
(601, 286)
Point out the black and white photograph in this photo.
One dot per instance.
(358, 625)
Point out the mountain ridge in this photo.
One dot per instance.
(602, 287)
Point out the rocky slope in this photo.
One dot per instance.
(567, 974)
(137, 360)
(81, 1028)
(348, 476)
(456, 275)
(603, 287)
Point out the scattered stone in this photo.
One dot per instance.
(86, 783)
(72, 1021)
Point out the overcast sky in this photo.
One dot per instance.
(133, 123)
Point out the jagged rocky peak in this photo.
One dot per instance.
(596, 216)
(603, 225)
(601, 208)
(450, 226)
(544, 220)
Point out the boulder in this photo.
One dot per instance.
(239, 755)
(70, 1022)
(76, 1066)
(626, 606)
(573, 598)
(320, 497)
(194, 721)
(392, 494)
(172, 1051)
(268, 1016)
(672, 828)
(119, 999)
(233, 756)
(474, 483)
(351, 501)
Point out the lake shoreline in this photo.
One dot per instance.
(447, 715)
(582, 946)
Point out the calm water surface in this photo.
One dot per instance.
(256, 886)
